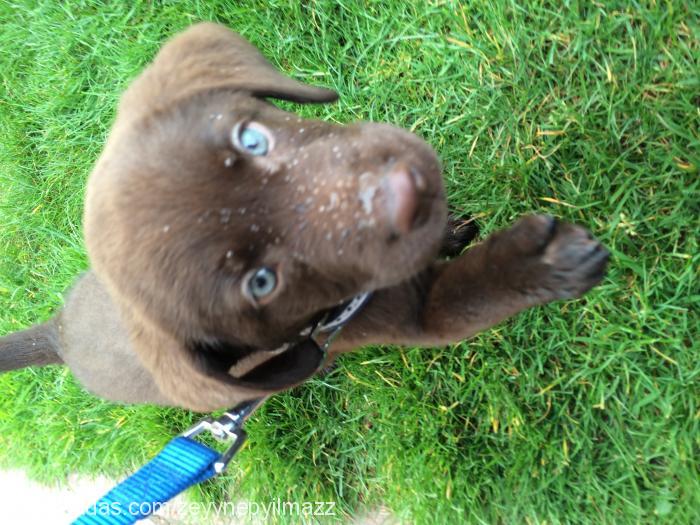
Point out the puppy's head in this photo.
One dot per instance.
(229, 223)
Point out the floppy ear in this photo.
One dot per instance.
(208, 57)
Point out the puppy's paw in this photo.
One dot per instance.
(548, 260)
(459, 232)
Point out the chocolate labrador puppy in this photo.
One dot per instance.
(220, 228)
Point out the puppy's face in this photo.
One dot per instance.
(225, 219)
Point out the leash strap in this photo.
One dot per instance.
(182, 463)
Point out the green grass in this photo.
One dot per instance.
(585, 411)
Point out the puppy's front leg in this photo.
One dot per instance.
(536, 261)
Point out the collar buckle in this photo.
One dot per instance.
(336, 318)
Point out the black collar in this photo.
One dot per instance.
(297, 361)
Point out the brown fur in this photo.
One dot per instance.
(176, 217)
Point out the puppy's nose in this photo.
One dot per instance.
(401, 197)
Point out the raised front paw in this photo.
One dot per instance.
(546, 260)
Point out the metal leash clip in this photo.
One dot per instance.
(227, 427)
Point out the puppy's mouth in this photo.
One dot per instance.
(220, 356)
(269, 370)
(266, 370)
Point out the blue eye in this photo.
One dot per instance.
(262, 282)
(250, 140)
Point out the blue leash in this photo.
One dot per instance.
(182, 463)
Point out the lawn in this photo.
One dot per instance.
(582, 411)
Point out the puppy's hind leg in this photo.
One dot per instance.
(35, 346)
